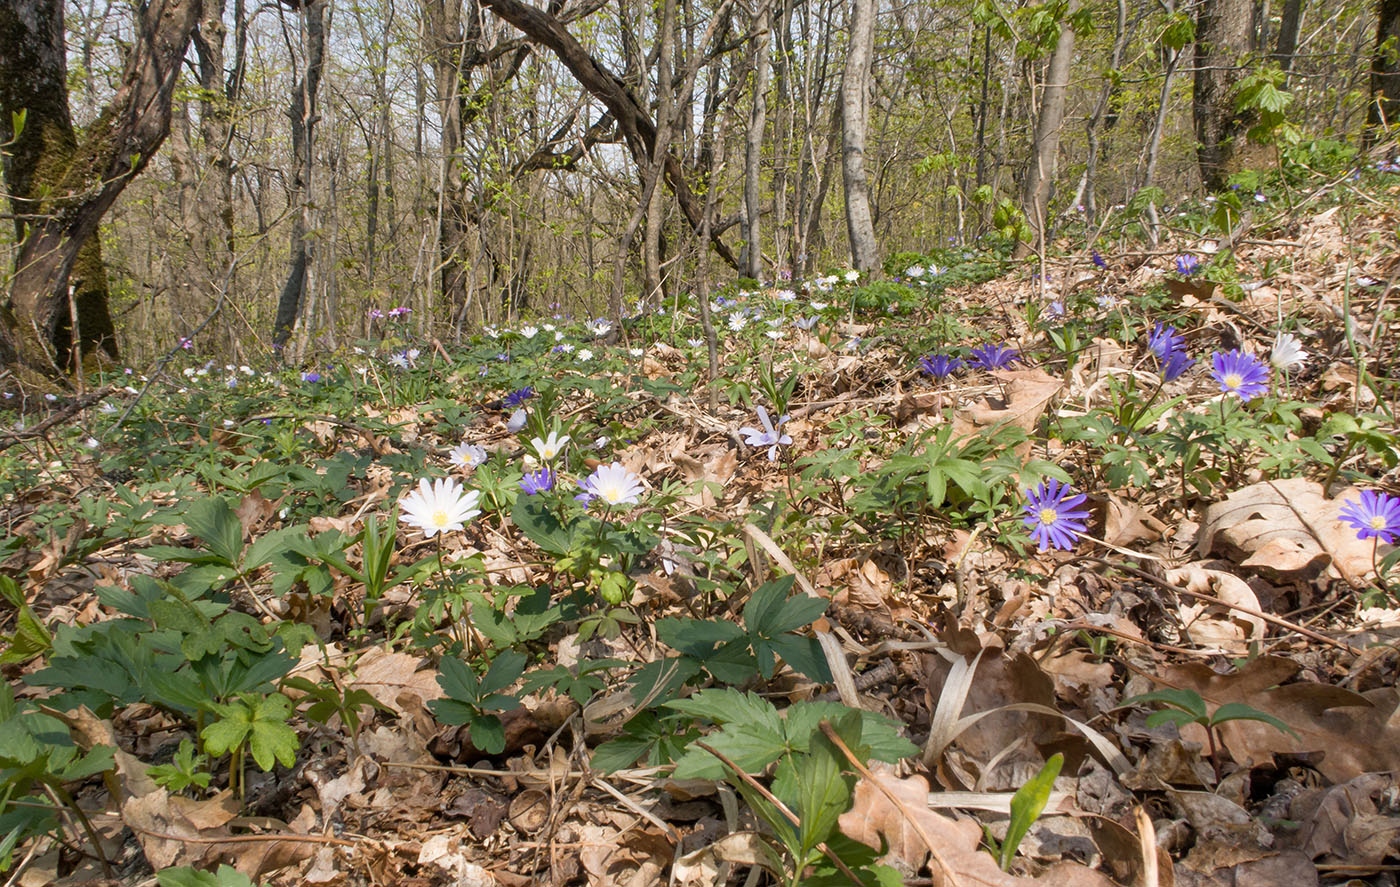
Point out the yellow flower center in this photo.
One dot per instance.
(439, 518)
(1048, 516)
(548, 453)
(1377, 522)
(613, 495)
(1233, 380)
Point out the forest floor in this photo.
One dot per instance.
(224, 652)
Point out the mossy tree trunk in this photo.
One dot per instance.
(61, 183)
(1384, 110)
(1224, 29)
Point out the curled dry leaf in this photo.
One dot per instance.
(1344, 822)
(877, 821)
(1221, 629)
(1286, 530)
(1028, 392)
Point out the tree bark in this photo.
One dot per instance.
(1223, 30)
(1045, 150)
(855, 118)
(1385, 69)
(61, 186)
(753, 146)
(1289, 24)
(303, 116)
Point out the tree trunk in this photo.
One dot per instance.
(855, 117)
(1385, 69)
(1289, 24)
(61, 186)
(1045, 150)
(753, 145)
(1223, 29)
(213, 197)
(303, 116)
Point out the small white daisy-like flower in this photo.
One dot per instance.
(636, 352)
(491, 331)
(585, 354)
(466, 456)
(600, 327)
(852, 276)
(818, 306)
(558, 337)
(92, 444)
(567, 348)
(229, 423)
(1288, 353)
(548, 327)
(413, 354)
(529, 332)
(613, 484)
(785, 295)
(439, 506)
(775, 335)
(398, 360)
(695, 343)
(516, 421)
(914, 271)
(737, 321)
(550, 448)
(246, 370)
(107, 409)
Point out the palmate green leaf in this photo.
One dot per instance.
(542, 526)
(214, 522)
(504, 671)
(802, 653)
(727, 705)
(823, 790)
(487, 733)
(766, 603)
(752, 747)
(696, 637)
(458, 680)
(185, 876)
(879, 737)
(272, 737)
(452, 712)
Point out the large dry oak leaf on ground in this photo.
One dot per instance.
(1355, 732)
(1285, 529)
(875, 820)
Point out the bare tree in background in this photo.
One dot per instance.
(855, 117)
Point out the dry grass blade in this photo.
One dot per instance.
(943, 729)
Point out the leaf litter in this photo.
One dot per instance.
(988, 659)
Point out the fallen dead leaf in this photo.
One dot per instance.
(1354, 733)
(875, 820)
(1285, 529)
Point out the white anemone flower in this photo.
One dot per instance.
(529, 332)
(695, 343)
(771, 435)
(550, 448)
(852, 276)
(585, 354)
(914, 271)
(439, 506)
(636, 352)
(613, 484)
(466, 456)
(399, 359)
(516, 421)
(600, 327)
(785, 295)
(737, 321)
(1288, 353)
(818, 306)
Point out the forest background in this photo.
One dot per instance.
(278, 176)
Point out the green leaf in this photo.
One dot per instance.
(532, 516)
(214, 522)
(488, 734)
(823, 790)
(1238, 711)
(1188, 701)
(504, 671)
(184, 876)
(1027, 805)
(458, 680)
(271, 736)
(766, 603)
(727, 705)
(696, 637)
